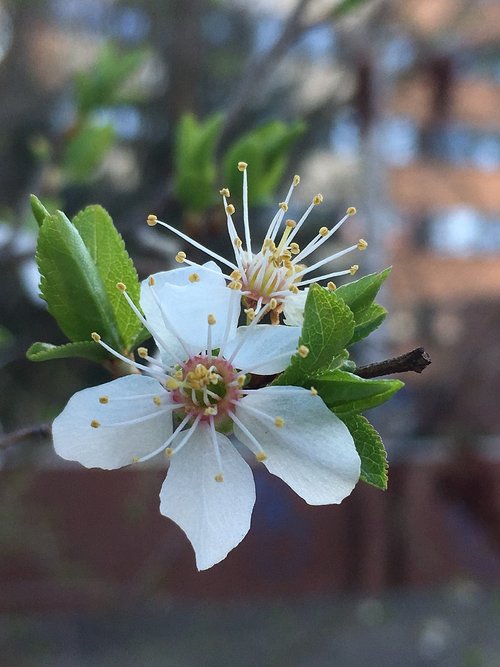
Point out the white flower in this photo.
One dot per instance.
(186, 405)
(277, 270)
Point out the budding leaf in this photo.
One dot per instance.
(39, 210)
(85, 349)
(85, 151)
(371, 451)
(345, 393)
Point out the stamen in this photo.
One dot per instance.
(194, 278)
(165, 445)
(186, 438)
(362, 244)
(225, 192)
(213, 436)
(326, 260)
(180, 257)
(95, 424)
(303, 351)
(145, 369)
(152, 220)
(242, 166)
(235, 299)
(260, 454)
(331, 286)
(317, 279)
(354, 269)
(230, 209)
(104, 399)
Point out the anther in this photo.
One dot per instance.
(296, 180)
(156, 400)
(95, 337)
(260, 456)
(351, 211)
(169, 451)
(242, 166)
(211, 319)
(211, 410)
(331, 286)
(354, 268)
(152, 220)
(317, 199)
(95, 424)
(241, 379)
(142, 352)
(172, 384)
(314, 391)
(273, 303)
(294, 248)
(219, 477)
(121, 286)
(323, 231)
(303, 351)
(235, 275)
(294, 289)
(230, 209)
(290, 223)
(225, 192)
(151, 281)
(362, 244)
(194, 278)
(103, 400)
(235, 284)
(180, 257)
(283, 206)
(279, 422)
(237, 242)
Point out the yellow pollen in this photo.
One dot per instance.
(354, 268)
(211, 319)
(296, 180)
(290, 223)
(314, 391)
(151, 281)
(95, 424)
(317, 199)
(331, 286)
(303, 351)
(351, 211)
(250, 313)
(235, 275)
(241, 380)
(238, 242)
(156, 400)
(294, 289)
(273, 304)
(169, 451)
(323, 231)
(362, 244)
(283, 206)
(242, 166)
(172, 384)
(180, 257)
(219, 477)
(194, 278)
(279, 422)
(142, 352)
(95, 337)
(103, 400)
(294, 248)
(225, 192)
(121, 286)
(235, 284)
(152, 220)
(230, 209)
(260, 456)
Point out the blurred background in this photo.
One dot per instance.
(146, 106)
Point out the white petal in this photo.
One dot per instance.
(313, 452)
(209, 273)
(186, 306)
(116, 441)
(293, 309)
(214, 515)
(266, 349)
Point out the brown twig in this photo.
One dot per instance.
(416, 361)
(37, 431)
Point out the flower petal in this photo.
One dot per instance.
(112, 407)
(313, 452)
(214, 515)
(293, 308)
(186, 305)
(267, 348)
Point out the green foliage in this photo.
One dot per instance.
(86, 149)
(265, 150)
(85, 349)
(39, 210)
(194, 160)
(345, 7)
(371, 451)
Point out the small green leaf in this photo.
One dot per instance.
(85, 349)
(113, 264)
(368, 320)
(85, 151)
(345, 393)
(370, 449)
(39, 210)
(328, 327)
(71, 284)
(359, 294)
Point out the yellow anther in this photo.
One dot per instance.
(351, 211)
(95, 337)
(235, 275)
(250, 313)
(156, 400)
(219, 477)
(237, 242)
(179, 374)
(211, 319)
(103, 399)
(121, 286)
(194, 278)
(169, 451)
(303, 351)
(323, 231)
(152, 220)
(260, 456)
(180, 257)
(294, 248)
(242, 166)
(95, 424)
(362, 244)
(290, 223)
(279, 422)
(296, 180)
(230, 209)
(142, 352)
(354, 268)
(235, 284)
(211, 410)
(283, 206)
(151, 281)
(241, 379)
(273, 303)
(314, 391)
(225, 192)
(172, 384)
(317, 199)
(294, 289)
(331, 286)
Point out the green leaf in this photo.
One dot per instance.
(328, 327)
(345, 393)
(85, 349)
(39, 210)
(370, 449)
(194, 159)
(107, 251)
(85, 151)
(71, 284)
(369, 320)
(345, 7)
(266, 151)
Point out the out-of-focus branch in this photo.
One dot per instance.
(416, 361)
(26, 433)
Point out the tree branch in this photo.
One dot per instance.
(416, 361)
(37, 431)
